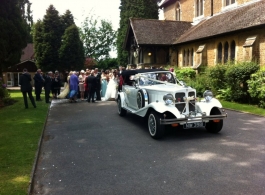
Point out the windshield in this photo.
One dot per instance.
(156, 78)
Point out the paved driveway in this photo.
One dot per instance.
(89, 149)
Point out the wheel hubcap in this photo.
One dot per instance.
(152, 124)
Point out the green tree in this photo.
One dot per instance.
(26, 13)
(13, 33)
(108, 63)
(67, 19)
(71, 53)
(98, 38)
(139, 9)
(50, 34)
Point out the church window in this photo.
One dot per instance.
(232, 50)
(226, 52)
(191, 54)
(229, 2)
(219, 55)
(177, 17)
(199, 8)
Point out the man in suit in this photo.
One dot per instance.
(91, 82)
(38, 84)
(47, 87)
(98, 84)
(26, 88)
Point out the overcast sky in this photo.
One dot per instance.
(105, 9)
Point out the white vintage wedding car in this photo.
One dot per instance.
(164, 100)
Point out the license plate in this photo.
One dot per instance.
(194, 125)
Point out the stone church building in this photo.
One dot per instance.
(198, 32)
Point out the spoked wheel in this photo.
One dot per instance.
(155, 129)
(214, 126)
(121, 111)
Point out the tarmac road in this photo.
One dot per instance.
(88, 149)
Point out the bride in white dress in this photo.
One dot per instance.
(111, 91)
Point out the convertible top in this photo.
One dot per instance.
(136, 71)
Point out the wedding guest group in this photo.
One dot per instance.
(91, 85)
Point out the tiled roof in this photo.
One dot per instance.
(27, 53)
(157, 32)
(244, 17)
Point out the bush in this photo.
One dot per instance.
(185, 73)
(5, 98)
(256, 87)
(217, 76)
(200, 83)
(236, 77)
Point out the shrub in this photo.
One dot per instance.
(217, 76)
(185, 73)
(5, 98)
(236, 77)
(256, 87)
(200, 83)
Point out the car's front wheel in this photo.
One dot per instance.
(121, 111)
(214, 126)
(156, 130)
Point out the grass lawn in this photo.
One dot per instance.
(20, 131)
(243, 107)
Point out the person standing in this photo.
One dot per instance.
(47, 87)
(38, 84)
(91, 82)
(98, 84)
(81, 79)
(26, 88)
(73, 87)
(56, 85)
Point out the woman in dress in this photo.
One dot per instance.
(104, 84)
(65, 92)
(111, 91)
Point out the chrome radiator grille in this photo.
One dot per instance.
(181, 104)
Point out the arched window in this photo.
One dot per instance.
(226, 52)
(191, 54)
(184, 58)
(188, 57)
(177, 17)
(199, 8)
(232, 50)
(219, 55)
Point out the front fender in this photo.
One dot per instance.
(206, 107)
(121, 95)
(159, 107)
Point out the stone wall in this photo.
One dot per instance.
(208, 56)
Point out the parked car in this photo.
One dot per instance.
(160, 97)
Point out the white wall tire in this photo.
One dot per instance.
(156, 130)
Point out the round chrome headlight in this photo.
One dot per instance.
(208, 95)
(169, 99)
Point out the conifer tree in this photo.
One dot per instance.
(71, 52)
(67, 19)
(51, 34)
(12, 34)
(133, 8)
